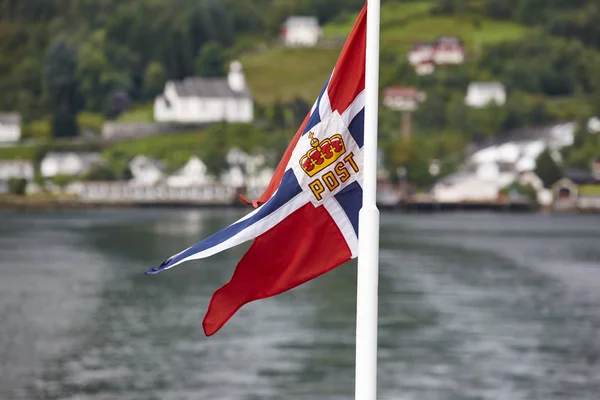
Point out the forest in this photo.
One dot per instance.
(67, 65)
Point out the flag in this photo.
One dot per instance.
(306, 222)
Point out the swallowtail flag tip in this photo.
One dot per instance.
(306, 222)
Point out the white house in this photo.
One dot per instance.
(234, 177)
(593, 125)
(10, 127)
(400, 98)
(465, 187)
(246, 170)
(421, 52)
(492, 173)
(530, 178)
(481, 94)
(300, 31)
(449, 50)
(193, 173)
(445, 50)
(146, 171)
(16, 169)
(425, 68)
(261, 179)
(69, 163)
(205, 100)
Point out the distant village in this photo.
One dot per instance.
(200, 101)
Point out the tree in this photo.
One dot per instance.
(96, 74)
(17, 186)
(277, 115)
(62, 180)
(499, 9)
(154, 79)
(61, 83)
(299, 108)
(547, 168)
(210, 61)
(100, 172)
(64, 123)
(432, 113)
(117, 103)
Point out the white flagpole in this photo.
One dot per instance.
(368, 228)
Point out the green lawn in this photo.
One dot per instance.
(174, 149)
(564, 108)
(474, 34)
(405, 23)
(285, 73)
(17, 153)
(589, 190)
(90, 120)
(143, 112)
(36, 130)
(391, 15)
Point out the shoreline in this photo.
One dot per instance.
(17, 203)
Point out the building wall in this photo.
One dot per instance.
(449, 57)
(122, 192)
(239, 110)
(10, 133)
(302, 36)
(400, 103)
(10, 170)
(195, 110)
(123, 130)
(481, 98)
(70, 164)
(467, 190)
(420, 55)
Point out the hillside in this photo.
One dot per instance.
(68, 66)
(282, 73)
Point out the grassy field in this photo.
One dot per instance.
(564, 108)
(143, 112)
(402, 24)
(589, 190)
(391, 15)
(90, 120)
(174, 149)
(285, 73)
(17, 153)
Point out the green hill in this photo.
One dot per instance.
(283, 73)
(66, 66)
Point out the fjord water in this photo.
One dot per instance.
(472, 306)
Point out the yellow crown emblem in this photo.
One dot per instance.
(322, 154)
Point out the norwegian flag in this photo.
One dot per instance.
(306, 222)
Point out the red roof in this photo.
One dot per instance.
(400, 91)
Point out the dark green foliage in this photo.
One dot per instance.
(585, 148)
(154, 79)
(540, 64)
(61, 83)
(211, 60)
(62, 180)
(100, 173)
(64, 123)
(117, 103)
(17, 186)
(525, 190)
(547, 169)
(277, 115)
(61, 57)
(299, 110)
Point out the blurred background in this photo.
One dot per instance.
(120, 120)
